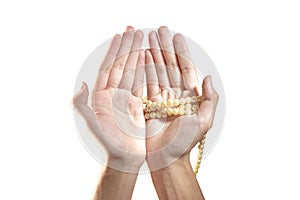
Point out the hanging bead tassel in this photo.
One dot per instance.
(200, 153)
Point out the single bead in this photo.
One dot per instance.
(153, 106)
(152, 115)
(176, 102)
(180, 111)
(147, 109)
(199, 98)
(145, 100)
(188, 99)
(158, 115)
(182, 101)
(158, 106)
(195, 107)
(187, 111)
(188, 106)
(194, 99)
(175, 111)
(164, 110)
(148, 103)
(147, 116)
(164, 115)
(170, 102)
(170, 111)
(164, 104)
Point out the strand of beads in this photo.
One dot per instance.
(200, 153)
(171, 107)
(176, 107)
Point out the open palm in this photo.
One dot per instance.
(171, 74)
(116, 117)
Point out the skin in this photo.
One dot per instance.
(125, 153)
(170, 73)
(120, 125)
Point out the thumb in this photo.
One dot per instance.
(81, 98)
(208, 103)
(79, 102)
(207, 89)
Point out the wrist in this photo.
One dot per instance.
(167, 163)
(177, 181)
(128, 164)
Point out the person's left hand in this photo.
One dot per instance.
(171, 75)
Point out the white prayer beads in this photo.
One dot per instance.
(171, 107)
(175, 107)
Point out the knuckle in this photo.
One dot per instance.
(160, 69)
(119, 65)
(155, 52)
(107, 69)
(188, 70)
(172, 65)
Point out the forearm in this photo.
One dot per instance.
(115, 184)
(177, 181)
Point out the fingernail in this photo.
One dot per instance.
(163, 27)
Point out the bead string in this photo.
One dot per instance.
(171, 107)
(175, 107)
(200, 153)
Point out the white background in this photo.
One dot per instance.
(254, 44)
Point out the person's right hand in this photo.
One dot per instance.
(116, 117)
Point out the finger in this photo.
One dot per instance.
(160, 66)
(151, 76)
(137, 88)
(208, 103)
(119, 64)
(107, 63)
(170, 57)
(128, 28)
(80, 104)
(81, 98)
(189, 72)
(130, 66)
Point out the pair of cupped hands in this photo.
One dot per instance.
(116, 116)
